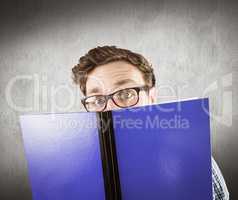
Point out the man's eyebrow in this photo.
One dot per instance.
(121, 82)
(116, 84)
(94, 90)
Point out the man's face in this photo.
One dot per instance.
(114, 76)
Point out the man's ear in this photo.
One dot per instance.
(152, 95)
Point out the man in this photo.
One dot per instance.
(113, 78)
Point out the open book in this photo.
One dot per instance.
(154, 152)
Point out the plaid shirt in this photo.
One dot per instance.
(220, 191)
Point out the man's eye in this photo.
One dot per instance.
(125, 95)
(95, 101)
(100, 101)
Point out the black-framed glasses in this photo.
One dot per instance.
(123, 98)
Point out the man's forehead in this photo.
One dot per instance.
(113, 76)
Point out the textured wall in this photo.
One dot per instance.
(192, 45)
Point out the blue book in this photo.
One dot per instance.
(160, 151)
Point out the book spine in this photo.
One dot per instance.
(109, 156)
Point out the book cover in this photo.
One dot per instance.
(160, 151)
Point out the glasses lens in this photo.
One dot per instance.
(126, 98)
(95, 103)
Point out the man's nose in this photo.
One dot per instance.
(110, 105)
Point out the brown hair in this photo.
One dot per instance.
(105, 54)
